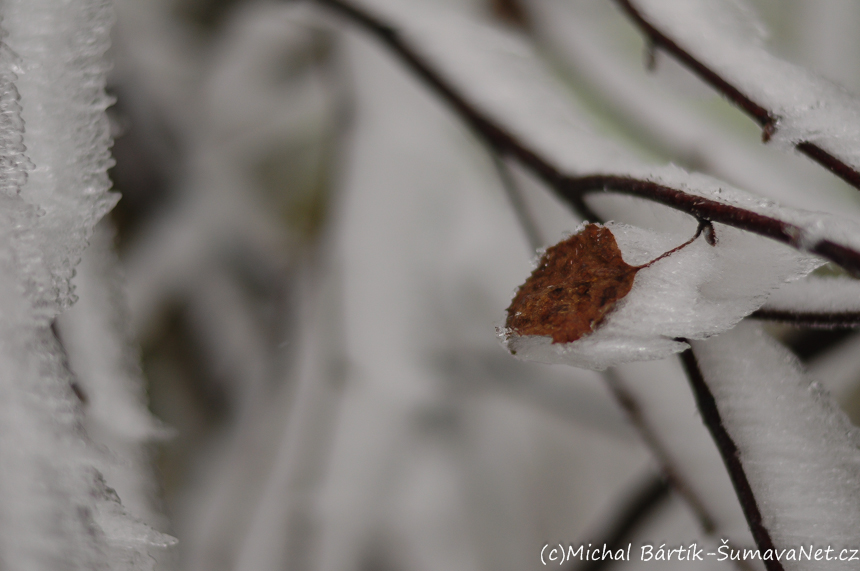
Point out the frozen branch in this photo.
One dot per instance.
(672, 475)
(702, 198)
(812, 320)
(707, 406)
(820, 303)
(518, 203)
(767, 119)
(786, 443)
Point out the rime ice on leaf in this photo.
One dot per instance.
(635, 307)
(576, 285)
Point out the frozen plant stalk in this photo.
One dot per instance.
(56, 512)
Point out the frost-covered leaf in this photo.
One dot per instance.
(576, 283)
(696, 292)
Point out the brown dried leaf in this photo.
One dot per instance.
(576, 284)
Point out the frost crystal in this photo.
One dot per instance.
(694, 293)
(727, 38)
(56, 512)
(800, 453)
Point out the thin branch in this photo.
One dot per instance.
(573, 189)
(729, 451)
(672, 474)
(766, 119)
(713, 211)
(518, 203)
(809, 319)
(649, 495)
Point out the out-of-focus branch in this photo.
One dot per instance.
(707, 406)
(573, 189)
(518, 203)
(649, 494)
(672, 474)
(766, 119)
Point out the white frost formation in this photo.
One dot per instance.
(800, 453)
(726, 36)
(56, 512)
(694, 293)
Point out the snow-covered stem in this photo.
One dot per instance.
(767, 119)
(574, 188)
(707, 406)
(810, 319)
(816, 302)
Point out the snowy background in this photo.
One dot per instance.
(280, 348)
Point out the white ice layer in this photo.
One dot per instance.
(667, 410)
(799, 452)
(727, 38)
(62, 71)
(585, 37)
(504, 79)
(817, 295)
(694, 293)
(95, 336)
(45, 500)
(55, 510)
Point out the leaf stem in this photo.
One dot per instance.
(702, 225)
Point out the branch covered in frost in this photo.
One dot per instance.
(549, 142)
(759, 106)
(835, 320)
(729, 451)
(798, 452)
(56, 511)
(822, 303)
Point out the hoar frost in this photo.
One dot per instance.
(800, 453)
(698, 291)
(56, 511)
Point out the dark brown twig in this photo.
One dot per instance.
(766, 119)
(811, 320)
(573, 189)
(729, 451)
(649, 495)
